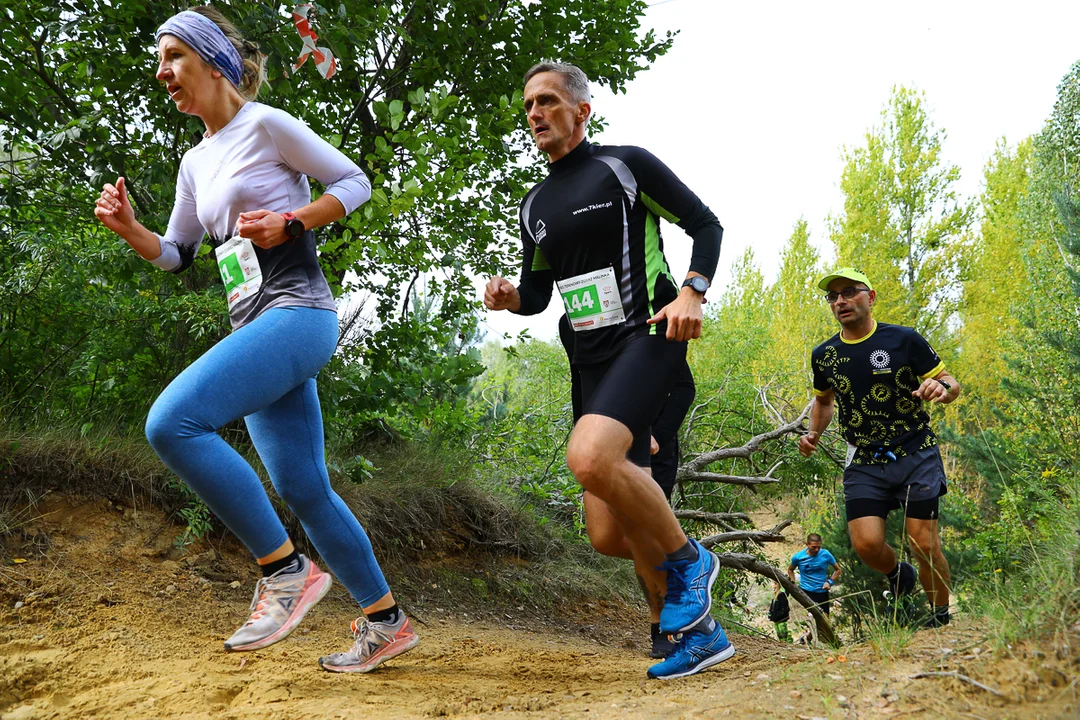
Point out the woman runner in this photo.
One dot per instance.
(246, 186)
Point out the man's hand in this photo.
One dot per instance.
(808, 443)
(683, 316)
(262, 227)
(500, 294)
(932, 391)
(654, 447)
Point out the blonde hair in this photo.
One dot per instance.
(254, 61)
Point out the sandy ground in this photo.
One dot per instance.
(108, 626)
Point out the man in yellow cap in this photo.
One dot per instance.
(878, 376)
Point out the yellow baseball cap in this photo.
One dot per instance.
(848, 273)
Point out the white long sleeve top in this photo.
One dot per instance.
(261, 160)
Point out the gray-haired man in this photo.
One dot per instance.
(593, 229)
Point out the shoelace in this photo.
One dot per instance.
(676, 582)
(265, 590)
(258, 602)
(362, 627)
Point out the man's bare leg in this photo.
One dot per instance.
(597, 456)
(933, 568)
(868, 539)
(605, 533)
(609, 535)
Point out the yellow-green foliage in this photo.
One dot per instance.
(995, 286)
(902, 222)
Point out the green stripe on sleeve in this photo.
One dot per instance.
(655, 262)
(658, 209)
(539, 261)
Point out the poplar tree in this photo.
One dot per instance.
(903, 222)
(799, 317)
(995, 285)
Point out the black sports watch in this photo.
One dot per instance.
(294, 228)
(698, 283)
(947, 386)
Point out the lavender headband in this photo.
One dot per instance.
(206, 39)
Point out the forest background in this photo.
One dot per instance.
(428, 104)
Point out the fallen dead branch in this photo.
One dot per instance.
(958, 676)
(718, 518)
(694, 470)
(756, 536)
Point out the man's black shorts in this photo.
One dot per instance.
(665, 428)
(633, 386)
(821, 598)
(913, 482)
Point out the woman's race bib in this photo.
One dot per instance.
(240, 269)
(592, 300)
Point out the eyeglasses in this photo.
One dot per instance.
(847, 293)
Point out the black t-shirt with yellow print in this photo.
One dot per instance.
(873, 379)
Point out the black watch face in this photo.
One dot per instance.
(294, 229)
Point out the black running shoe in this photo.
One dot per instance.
(662, 646)
(937, 621)
(904, 584)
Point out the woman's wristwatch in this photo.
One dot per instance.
(294, 228)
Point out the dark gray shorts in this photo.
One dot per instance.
(913, 478)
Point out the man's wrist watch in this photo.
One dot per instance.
(294, 228)
(698, 283)
(947, 386)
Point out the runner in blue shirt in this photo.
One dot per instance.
(813, 564)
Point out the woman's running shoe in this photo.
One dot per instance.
(281, 601)
(375, 644)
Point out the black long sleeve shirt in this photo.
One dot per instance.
(600, 206)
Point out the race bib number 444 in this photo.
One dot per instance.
(592, 300)
(239, 268)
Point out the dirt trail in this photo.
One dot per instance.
(108, 627)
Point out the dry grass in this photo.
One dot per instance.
(424, 509)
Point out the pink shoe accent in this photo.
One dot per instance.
(314, 589)
(404, 640)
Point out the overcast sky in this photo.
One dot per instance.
(754, 103)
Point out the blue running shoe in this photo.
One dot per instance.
(696, 652)
(689, 591)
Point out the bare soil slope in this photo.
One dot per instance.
(98, 622)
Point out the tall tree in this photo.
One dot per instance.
(798, 317)
(426, 99)
(902, 221)
(995, 286)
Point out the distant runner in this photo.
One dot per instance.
(813, 563)
(593, 228)
(246, 186)
(879, 376)
(780, 613)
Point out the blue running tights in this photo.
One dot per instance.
(265, 373)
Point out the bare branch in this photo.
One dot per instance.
(684, 476)
(718, 518)
(958, 676)
(777, 417)
(743, 451)
(755, 536)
